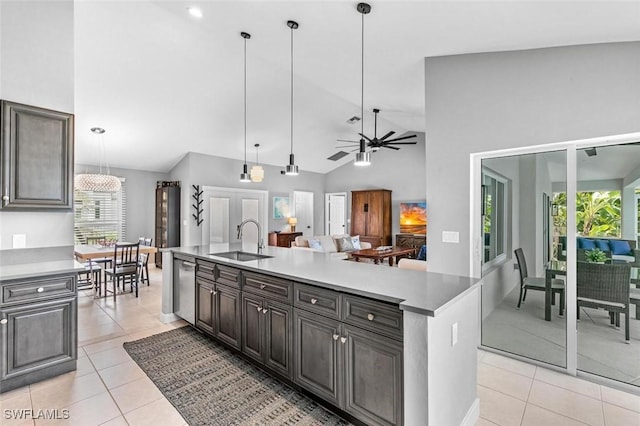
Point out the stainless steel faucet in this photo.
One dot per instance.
(260, 240)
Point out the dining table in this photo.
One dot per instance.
(553, 269)
(92, 251)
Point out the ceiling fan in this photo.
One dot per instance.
(376, 143)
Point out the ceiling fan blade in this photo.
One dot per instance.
(365, 137)
(387, 135)
(390, 147)
(345, 140)
(402, 138)
(399, 143)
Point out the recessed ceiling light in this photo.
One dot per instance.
(195, 12)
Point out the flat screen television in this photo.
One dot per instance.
(413, 218)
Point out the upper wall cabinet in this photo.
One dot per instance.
(36, 157)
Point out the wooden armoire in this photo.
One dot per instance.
(371, 216)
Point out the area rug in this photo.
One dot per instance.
(210, 385)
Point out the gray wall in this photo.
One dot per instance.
(141, 198)
(36, 68)
(201, 169)
(490, 101)
(403, 172)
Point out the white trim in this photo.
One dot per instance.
(473, 414)
(571, 292)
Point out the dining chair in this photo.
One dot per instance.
(126, 257)
(605, 286)
(144, 260)
(102, 262)
(537, 283)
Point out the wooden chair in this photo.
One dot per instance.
(127, 257)
(535, 283)
(605, 286)
(144, 260)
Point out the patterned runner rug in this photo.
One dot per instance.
(210, 385)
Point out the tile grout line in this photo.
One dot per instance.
(555, 412)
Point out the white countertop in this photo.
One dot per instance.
(425, 293)
(38, 269)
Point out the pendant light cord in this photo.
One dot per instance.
(292, 89)
(245, 101)
(362, 80)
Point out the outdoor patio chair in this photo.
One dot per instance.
(537, 283)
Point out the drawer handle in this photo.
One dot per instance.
(40, 289)
(335, 336)
(370, 317)
(264, 311)
(314, 301)
(3, 321)
(5, 197)
(262, 286)
(343, 340)
(259, 308)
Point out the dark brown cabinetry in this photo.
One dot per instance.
(282, 239)
(167, 228)
(38, 318)
(355, 362)
(411, 241)
(36, 151)
(371, 216)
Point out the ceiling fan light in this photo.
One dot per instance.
(362, 159)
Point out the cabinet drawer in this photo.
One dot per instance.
(318, 300)
(371, 315)
(38, 289)
(228, 276)
(268, 286)
(205, 270)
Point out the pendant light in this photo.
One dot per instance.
(363, 157)
(98, 182)
(257, 172)
(244, 176)
(291, 169)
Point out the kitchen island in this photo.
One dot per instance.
(38, 316)
(417, 331)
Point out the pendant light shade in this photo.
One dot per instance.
(257, 172)
(98, 182)
(363, 158)
(291, 169)
(244, 176)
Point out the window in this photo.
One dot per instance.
(494, 191)
(598, 214)
(100, 215)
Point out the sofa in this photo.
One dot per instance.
(617, 249)
(337, 246)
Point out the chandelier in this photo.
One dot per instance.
(98, 182)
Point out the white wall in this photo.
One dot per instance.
(37, 68)
(490, 101)
(402, 172)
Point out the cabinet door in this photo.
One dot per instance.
(373, 377)
(318, 356)
(375, 215)
(36, 147)
(278, 338)
(359, 203)
(253, 326)
(37, 336)
(228, 315)
(205, 306)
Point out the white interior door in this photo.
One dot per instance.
(336, 213)
(303, 211)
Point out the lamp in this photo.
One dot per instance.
(363, 158)
(244, 176)
(257, 172)
(291, 169)
(98, 182)
(292, 221)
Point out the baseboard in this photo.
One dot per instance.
(472, 415)
(167, 318)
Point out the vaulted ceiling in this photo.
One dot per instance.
(163, 83)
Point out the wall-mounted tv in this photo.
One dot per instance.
(413, 218)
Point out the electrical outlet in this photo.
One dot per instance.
(454, 334)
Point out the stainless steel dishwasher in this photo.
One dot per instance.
(184, 288)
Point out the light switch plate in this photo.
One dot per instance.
(454, 334)
(19, 241)
(450, 237)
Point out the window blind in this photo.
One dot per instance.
(100, 215)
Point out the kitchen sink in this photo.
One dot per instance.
(241, 256)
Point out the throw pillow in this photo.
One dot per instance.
(315, 244)
(587, 244)
(620, 247)
(345, 244)
(422, 254)
(355, 242)
(603, 245)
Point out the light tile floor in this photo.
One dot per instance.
(108, 388)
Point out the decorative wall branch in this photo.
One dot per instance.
(197, 196)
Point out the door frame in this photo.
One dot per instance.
(326, 211)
